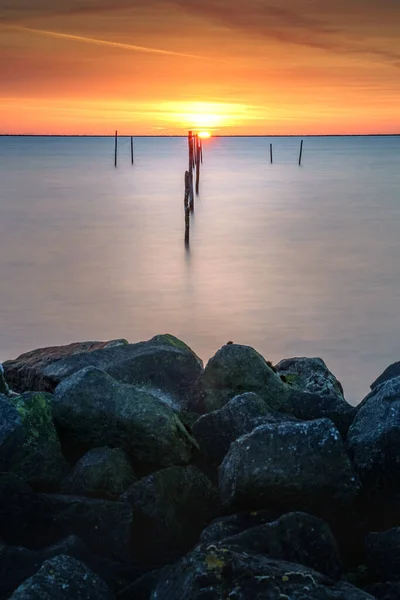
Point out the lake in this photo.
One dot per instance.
(294, 261)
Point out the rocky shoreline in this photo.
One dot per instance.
(131, 472)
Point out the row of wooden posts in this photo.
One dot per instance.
(195, 147)
(116, 150)
(300, 153)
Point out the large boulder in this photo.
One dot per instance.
(374, 438)
(29, 445)
(38, 520)
(231, 525)
(310, 375)
(91, 409)
(222, 572)
(291, 465)
(215, 431)
(63, 578)
(295, 537)
(4, 389)
(308, 406)
(100, 473)
(170, 509)
(164, 363)
(233, 370)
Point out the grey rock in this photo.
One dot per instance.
(231, 525)
(293, 465)
(390, 372)
(310, 375)
(101, 473)
(164, 363)
(170, 509)
(374, 438)
(92, 409)
(4, 389)
(63, 578)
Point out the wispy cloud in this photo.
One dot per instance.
(100, 42)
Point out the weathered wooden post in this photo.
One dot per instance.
(301, 151)
(131, 150)
(116, 149)
(270, 153)
(198, 150)
(187, 190)
(190, 143)
(187, 226)
(201, 151)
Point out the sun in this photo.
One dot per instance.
(204, 134)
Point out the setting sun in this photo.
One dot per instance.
(204, 134)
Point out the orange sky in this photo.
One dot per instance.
(152, 67)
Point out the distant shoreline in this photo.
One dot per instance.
(304, 135)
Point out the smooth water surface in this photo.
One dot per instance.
(295, 261)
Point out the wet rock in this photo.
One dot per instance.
(234, 370)
(217, 572)
(383, 554)
(4, 389)
(292, 465)
(309, 406)
(310, 375)
(29, 443)
(215, 431)
(101, 473)
(38, 520)
(163, 362)
(91, 409)
(63, 578)
(295, 537)
(374, 438)
(170, 509)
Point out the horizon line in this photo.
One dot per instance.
(182, 135)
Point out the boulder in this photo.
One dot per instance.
(290, 465)
(230, 525)
(164, 363)
(214, 572)
(215, 431)
(383, 554)
(28, 440)
(374, 438)
(63, 578)
(170, 509)
(295, 537)
(390, 372)
(4, 389)
(310, 375)
(37, 520)
(100, 473)
(91, 409)
(234, 370)
(308, 406)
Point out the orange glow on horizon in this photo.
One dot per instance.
(204, 134)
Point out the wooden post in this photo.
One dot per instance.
(190, 142)
(270, 152)
(187, 226)
(131, 150)
(187, 190)
(201, 151)
(197, 164)
(191, 193)
(116, 149)
(301, 151)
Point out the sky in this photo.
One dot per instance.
(231, 67)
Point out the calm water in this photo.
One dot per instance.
(295, 261)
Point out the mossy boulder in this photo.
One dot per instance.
(170, 509)
(12, 432)
(91, 409)
(218, 571)
(290, 465)
(374, 439)
(234, 370)
(164, 363)
(36, 456)
(215, 431)
(100, 473)
(63, 578)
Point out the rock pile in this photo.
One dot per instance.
(130, 472)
